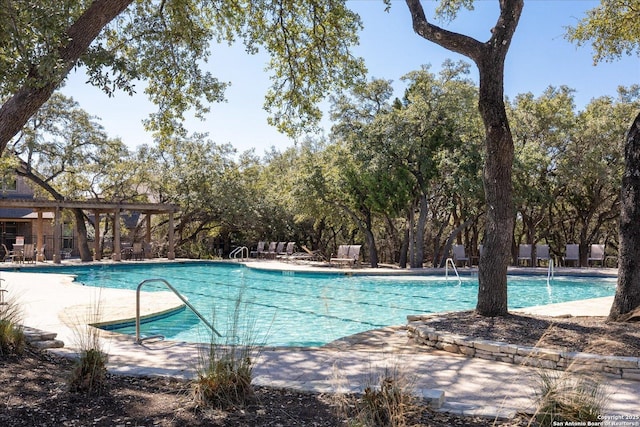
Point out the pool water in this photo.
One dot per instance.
(308, 309)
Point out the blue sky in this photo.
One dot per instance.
(538, 57)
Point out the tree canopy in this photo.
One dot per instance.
(122, 43)
(612, 29)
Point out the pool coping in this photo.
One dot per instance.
(319, 267)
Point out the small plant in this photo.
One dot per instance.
(89, 372)
(225, 369)
(568, 397)
(226, 380)
(387, 401)
(12, 338)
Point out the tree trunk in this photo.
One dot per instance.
(17, 110)
(454, 234)
(412, 236)
(419, 234)
(83, 242)
(404, 247)
(627, 296)
(373, 251)
(489, 57)
(492, 272)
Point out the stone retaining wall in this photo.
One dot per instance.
(620, 367)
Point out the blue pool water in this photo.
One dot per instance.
(307, 309)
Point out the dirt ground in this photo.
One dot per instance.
(34, 391)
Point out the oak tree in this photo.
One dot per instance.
(489, 56)
(613, 29)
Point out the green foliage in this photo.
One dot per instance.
(29, 38)
(566, 397)
(166, 44)
(65, 152)
(612, 28)
(448, 9)
(12, 338)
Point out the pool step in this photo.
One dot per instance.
(41, 339)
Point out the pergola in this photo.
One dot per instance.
(98, 208)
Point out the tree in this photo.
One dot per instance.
(543, 128)
(489, 57)
(67, 154)
(164, 44)
(613, 28)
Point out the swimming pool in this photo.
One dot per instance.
(307, 309)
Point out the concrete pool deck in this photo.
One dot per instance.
(51, 302)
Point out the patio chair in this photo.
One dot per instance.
(459, 255)
(272, 250)
(29, 253)
(259, 250)
(288, 251)
(542, 254)
(137, 252)
(8, 255)
(524, 254)
(126, 250)
(596, 254)
(347, 254)
(571, 254)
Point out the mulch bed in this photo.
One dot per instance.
(583, 334)
(34, 392)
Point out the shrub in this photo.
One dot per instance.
(89, 372)
(225, 381)
(568, 397)
(12, 338)
(387, 401)
(225, 368)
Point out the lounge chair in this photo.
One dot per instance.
(271, 250)
(347, 254)
(259, 252)
(542, 254)
(459, 255)
(571, 254)
(288, 251)
(524, 254)
(596, 254)
(279, 249)
(307, 255)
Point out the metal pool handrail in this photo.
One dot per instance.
(183, 299)
(550, 272)
(241, 251)
(446, 269)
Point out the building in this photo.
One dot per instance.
(29, 220)
(19, 223)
